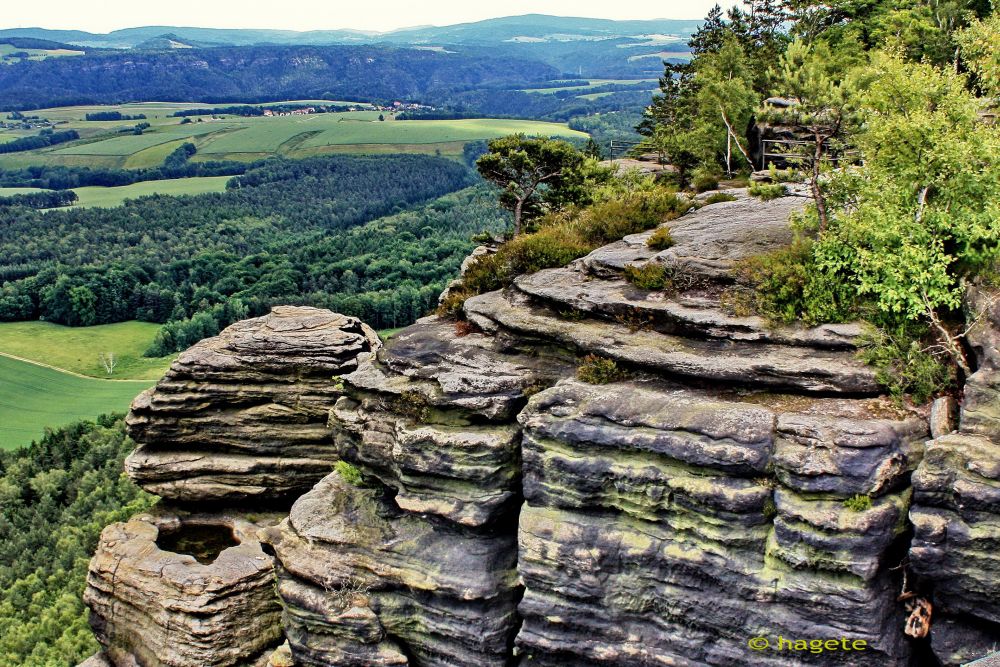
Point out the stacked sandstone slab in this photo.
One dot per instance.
(415, 563)
(242, 416)
(239, 420)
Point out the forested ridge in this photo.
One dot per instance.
(256, 73)
(280, 233)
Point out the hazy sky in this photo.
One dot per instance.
(106, 15)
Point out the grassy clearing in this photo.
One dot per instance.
(9, 192)
(33, 398)
(592, 83)
(109, 197)
(76, 349)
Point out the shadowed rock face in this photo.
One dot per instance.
(243, 415)
(956, 509)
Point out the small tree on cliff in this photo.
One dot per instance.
(809, 73)
(532, 172)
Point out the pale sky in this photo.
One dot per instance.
(107, 15)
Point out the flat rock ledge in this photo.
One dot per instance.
(512, 314)
(243, 415)
(158, 608)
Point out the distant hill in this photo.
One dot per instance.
(539, 26)
(580, 46)
(255, 73)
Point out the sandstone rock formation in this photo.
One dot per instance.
(243, 415)
(488, 508)
(159, 608)
(956, 512)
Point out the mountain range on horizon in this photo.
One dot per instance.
(529, 28)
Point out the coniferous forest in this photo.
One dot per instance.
(277, 235)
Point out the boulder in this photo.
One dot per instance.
(707, 241)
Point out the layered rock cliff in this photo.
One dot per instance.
(458, 497)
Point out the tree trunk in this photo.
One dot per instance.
(729, 153)
(816, 192)
(517, 216)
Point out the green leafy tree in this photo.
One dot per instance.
(922, 215)
(531, 172)
(979, 45)
(726, 97)
(810, 74)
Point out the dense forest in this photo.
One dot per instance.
(257, 73)
(55, 497)
(279, 234)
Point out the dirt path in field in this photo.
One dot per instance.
(67, 372)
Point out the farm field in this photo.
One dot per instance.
(115, 196)
(592, 83)
(7, 51)
(33, 397)
(76, 349)
(108, 197)
(251, 138)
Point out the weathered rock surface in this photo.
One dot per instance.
(956, 512)
(156, 608)
(708, 241)
(653, 534)
(243, 415)
(721, 361)
(489, 509)
(956, 523)
(367, 584)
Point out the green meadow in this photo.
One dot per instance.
(33, 397)
(72, 384)
(114, 196)
(107, 197)
(77, 349)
